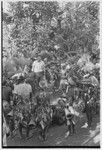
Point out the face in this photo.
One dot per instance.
(39, 58)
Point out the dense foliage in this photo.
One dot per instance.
(44, 26)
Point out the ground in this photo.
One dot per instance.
(56, 136)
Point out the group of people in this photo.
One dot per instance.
(21, 87)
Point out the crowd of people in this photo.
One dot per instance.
(26, 107)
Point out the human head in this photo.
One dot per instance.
(32, 59)
(5, 105)
(39, 58)
(27, 80)
(21, 79)
(67, 105)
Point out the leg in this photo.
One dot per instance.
(68, 132)
(89, 117)
(45, 132)
(97, 109)
(20, 127)
(73, 128)
(69, 129)
(11, 127)
(91, 114)
(27, 131)
(37, 81)
(67, 89)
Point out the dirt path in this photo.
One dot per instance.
(56, 136)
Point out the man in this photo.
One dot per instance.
(88, 107)
(70, 113)
(24, 90)
(38, 68)
(6, 92)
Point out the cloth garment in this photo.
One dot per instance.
(73, 112)
(63, 81)
(70, 110)
(23, 89)
(38, 66)
(63, 71)
(63, 84)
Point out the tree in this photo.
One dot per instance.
(74, 27)
(31, 21)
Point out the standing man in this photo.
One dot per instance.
(24, 89)
(38, 68)
(88, 107)
(70, 114)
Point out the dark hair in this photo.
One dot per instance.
(32, 58)
(38, 97)
(21, 79)
(27, 80)
(67, 106)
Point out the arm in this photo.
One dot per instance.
(33, 66)
(30, 94)
(74, 112)
(67, 89)
(66, 112)
(11, 97)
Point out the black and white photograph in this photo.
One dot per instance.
(50, 75)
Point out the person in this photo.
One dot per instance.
(6, 92)
(43, 113)
(38, 68)
(26, 70)
(24, 90)
(64, 85)
(88, 107)
(69, 114)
